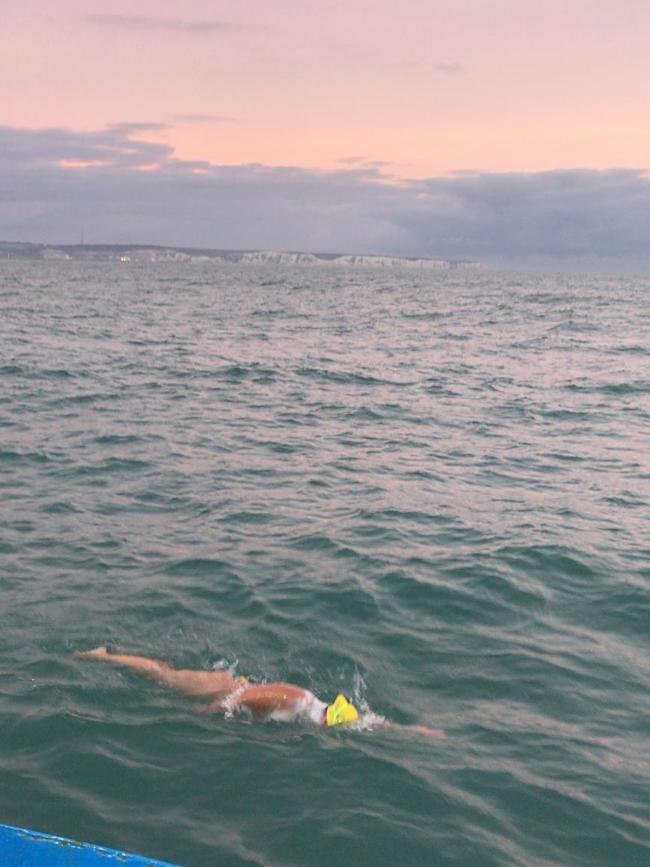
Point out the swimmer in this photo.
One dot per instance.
(226, 694)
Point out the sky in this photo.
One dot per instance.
(511, 132)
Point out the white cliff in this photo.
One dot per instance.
(271, 257)
(126, 253)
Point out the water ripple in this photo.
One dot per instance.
(428, 491)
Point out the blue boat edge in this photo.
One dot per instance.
(21, 847)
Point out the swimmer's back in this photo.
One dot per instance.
(277, 701)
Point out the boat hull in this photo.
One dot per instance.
(22, 848)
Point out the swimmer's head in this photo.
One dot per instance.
(340, 712)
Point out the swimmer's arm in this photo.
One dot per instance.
(213, 707)
(424, 731)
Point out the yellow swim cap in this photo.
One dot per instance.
(341, 711)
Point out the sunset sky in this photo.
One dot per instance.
(373, 125)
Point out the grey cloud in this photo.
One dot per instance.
(567, 219)
(133, 127)
(363, 163)
(111, 146)
(144, 23)
(569, 216)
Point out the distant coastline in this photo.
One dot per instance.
(125, 253)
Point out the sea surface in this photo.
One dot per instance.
(430, 491)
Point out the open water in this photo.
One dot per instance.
(428, 490)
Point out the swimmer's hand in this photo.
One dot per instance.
(96, 653)
(424, 731)
(213, 707)
(434, 734)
